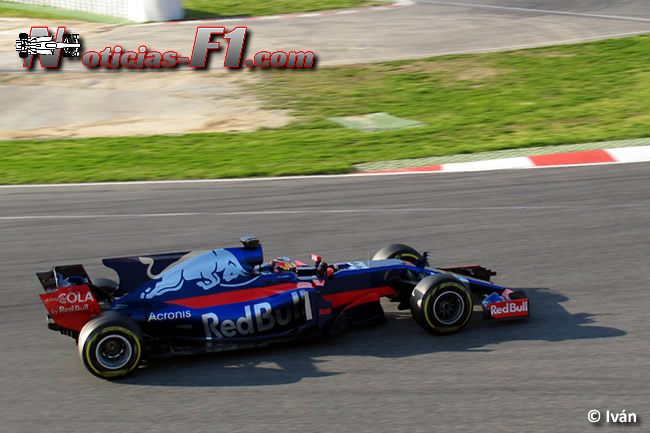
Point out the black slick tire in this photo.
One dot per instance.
(398, 251)
(110, 345)
(441, 304)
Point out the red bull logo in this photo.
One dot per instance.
(513, 308)
(257, 318)
(217, 267)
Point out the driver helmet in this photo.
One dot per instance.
(283, 264)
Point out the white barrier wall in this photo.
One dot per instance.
(155, 10)
(133, 10)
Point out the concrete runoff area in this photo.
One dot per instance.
(375, 122)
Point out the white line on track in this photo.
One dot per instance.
(318, 211)
(541, 11)
(81, 216)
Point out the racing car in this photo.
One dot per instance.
(45, 45)
(230, 298)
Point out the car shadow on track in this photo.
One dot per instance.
(289, 363)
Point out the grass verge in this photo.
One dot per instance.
(194, 9)
(543, 96)
(202, 9)
(18, 10)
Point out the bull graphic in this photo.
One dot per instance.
(206, 271)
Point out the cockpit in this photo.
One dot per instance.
(281, 265)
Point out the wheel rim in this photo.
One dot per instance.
(409, 257)
(448, 307)
(113, 352)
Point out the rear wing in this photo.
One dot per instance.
(68, 298)
(63, 276)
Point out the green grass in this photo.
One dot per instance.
(194, 9)
(17, 10)
(545, 96)
(199, 9)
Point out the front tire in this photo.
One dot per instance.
(398, 251)
(110, 345)
(441, 304)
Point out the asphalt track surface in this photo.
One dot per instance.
(575, 238)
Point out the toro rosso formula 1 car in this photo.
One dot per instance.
(230, 298)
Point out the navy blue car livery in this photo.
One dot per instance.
(230, 298)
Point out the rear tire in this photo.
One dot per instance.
(441, 304)
(398, 251)
(110, 345)
(105, 284)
